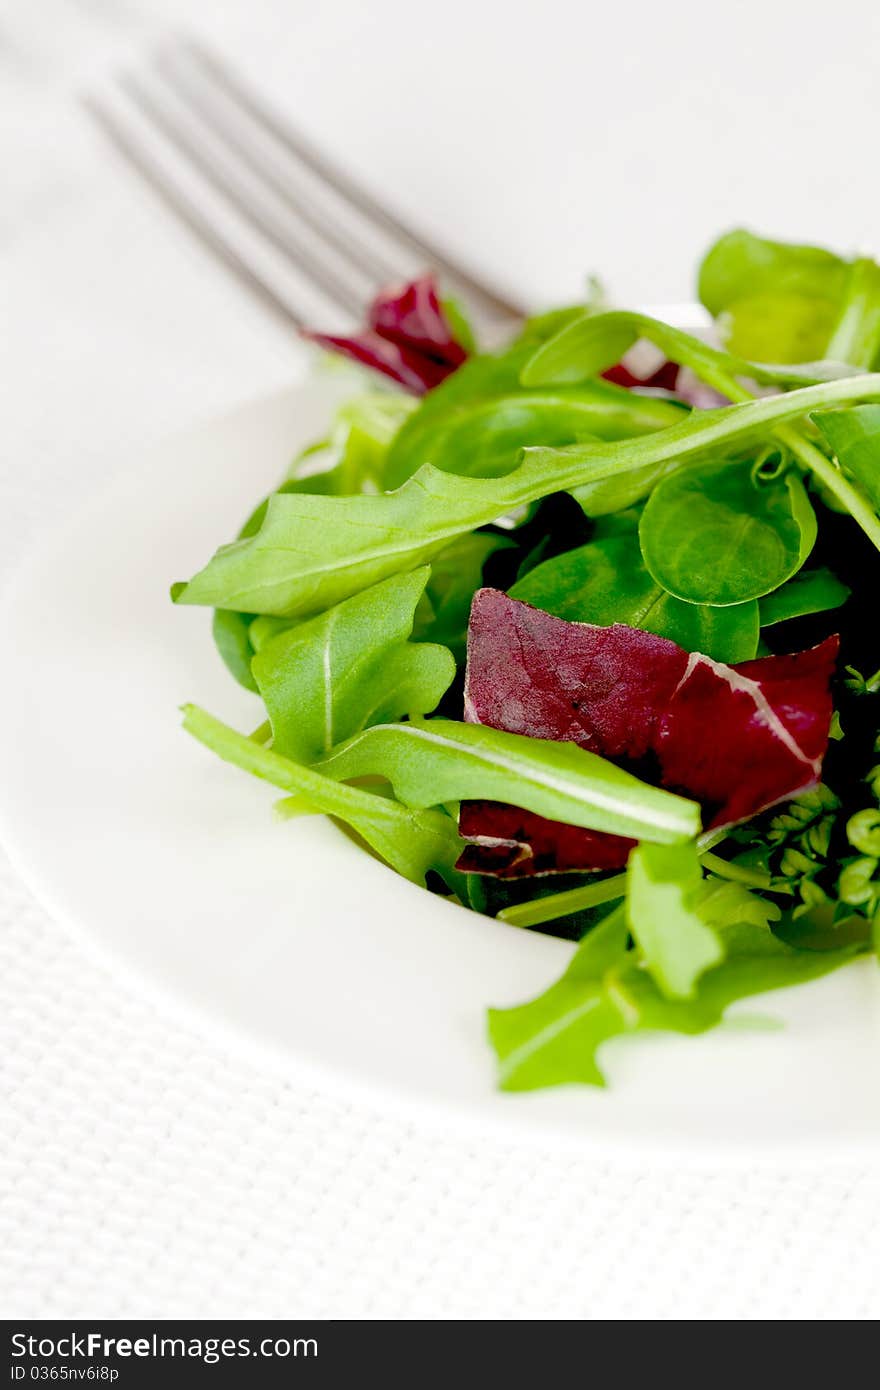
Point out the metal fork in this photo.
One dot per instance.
(300, 233)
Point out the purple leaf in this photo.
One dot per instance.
(412, 316)
(663, 378)
(411, 369)
(736, 738)
(669, 376)
(407, 338)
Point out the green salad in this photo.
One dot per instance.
(581, 635)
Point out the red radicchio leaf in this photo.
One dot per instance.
(511, 843)
(412, 316)
(736, 738)
(663, 379)
(407, 338)
(669, 376)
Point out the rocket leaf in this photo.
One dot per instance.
(311, 551)
(329, 677)
(606, 993)
(664, 891)
(854, 435)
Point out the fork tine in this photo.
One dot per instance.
(188, 209)
(280, 233)
(478, 295)
(225, 117)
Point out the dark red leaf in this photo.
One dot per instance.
(531, 673)
(511, 843)
(669, 376)
(412, 317)
(407, 338)
(411, 369)
(736, 738)
(664, 378)
(740, 738)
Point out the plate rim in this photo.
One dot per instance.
(461, 1115)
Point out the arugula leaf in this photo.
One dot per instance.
(347, 462)
(554, 1039)
(460, 326)
(810, 591)
(351, 459)
(593, 343)
(663, 899)
(412, 841)
(329, 677)
(439, 760)
(546, 903)
(312, 551)
(854, 435)
(606, 582)
(606, 992)
(364, 430)
(711, 534)
(480, 378)
(741, 263)
(482, 438)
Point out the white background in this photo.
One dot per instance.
(143, 1171)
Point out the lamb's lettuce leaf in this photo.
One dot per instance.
(809, 591)
(606, 582)
(607, 992)
(483, 437)
(438, 761)
(711, 534)
(456, 574)
(787, 303)
(854, 435)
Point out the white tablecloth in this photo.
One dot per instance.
(145, 1172)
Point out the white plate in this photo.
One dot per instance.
(285, 936)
